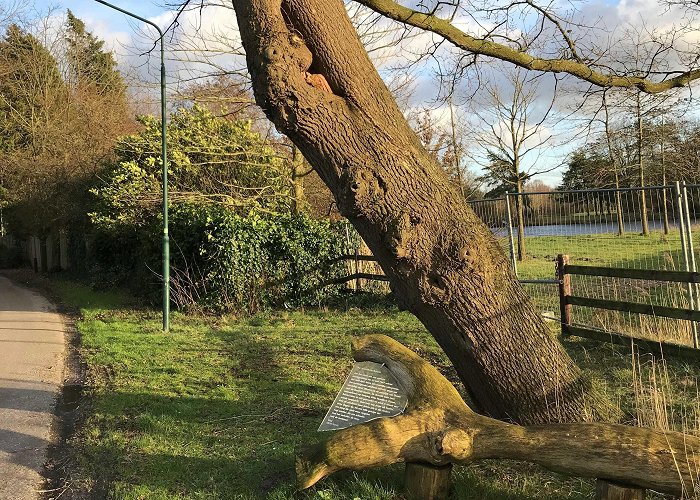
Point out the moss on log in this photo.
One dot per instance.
(438, 428)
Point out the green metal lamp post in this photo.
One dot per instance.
(166, 239)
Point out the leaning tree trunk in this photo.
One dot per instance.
(316, 83)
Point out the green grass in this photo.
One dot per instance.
(215, 408)
(656, 251)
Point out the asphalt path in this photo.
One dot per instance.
(32, 348)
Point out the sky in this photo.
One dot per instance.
(128, 40)
(103, 21)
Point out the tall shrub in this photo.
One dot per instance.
(225, 261)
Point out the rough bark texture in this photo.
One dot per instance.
(316, 83)
(438, 428)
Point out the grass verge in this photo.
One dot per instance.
(215, 408)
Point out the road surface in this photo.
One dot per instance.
(31, 371)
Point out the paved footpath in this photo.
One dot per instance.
(31, 370)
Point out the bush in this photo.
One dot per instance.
(223, 261)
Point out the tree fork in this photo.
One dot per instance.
(438, 428)
(443, 263)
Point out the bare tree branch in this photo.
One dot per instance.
(575, 66)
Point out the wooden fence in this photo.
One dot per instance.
(355, 276)
(567, 300)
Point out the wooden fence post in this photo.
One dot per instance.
(427, 482)
(564, 291)
(357, 268)
(605, 490)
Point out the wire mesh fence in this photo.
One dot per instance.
(654, 228)
(640, 228)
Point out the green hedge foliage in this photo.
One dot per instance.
(223, 261)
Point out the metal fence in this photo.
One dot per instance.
(650, 228)
(654, 227)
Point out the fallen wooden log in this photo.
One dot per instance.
(438, 428)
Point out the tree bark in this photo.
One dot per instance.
(298, 175)
(438, 428)
(520, 211)
(642, 194)
(316, 83)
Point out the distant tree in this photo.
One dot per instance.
(683, 151)
(448, 145)
(54, 132)
(223, 95)
(89, 62)
(589, 168)
(32, 92)
(515, 135)
(31, 88)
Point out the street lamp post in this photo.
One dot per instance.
(164, 156)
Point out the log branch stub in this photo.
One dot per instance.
(439, 429)
(427, 482)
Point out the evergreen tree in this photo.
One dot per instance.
(30, 87)
(88, 61)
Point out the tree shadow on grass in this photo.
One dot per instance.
(233, 434)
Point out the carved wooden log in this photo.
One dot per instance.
(439, 428)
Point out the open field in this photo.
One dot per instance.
(656, 251)
(215, 408)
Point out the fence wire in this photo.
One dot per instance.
(640, 228)
(656, 227)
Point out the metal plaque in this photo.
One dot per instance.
(369, 392)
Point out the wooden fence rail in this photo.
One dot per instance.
(567, 300)
(357, 275)
(634, 307)
(636, 274)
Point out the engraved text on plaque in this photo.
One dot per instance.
(369, 392)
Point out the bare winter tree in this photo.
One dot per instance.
(614, 165)
(314, 80)
(515, 122)
(448, 144)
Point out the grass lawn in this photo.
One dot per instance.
(656, 251)
(215, 408)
